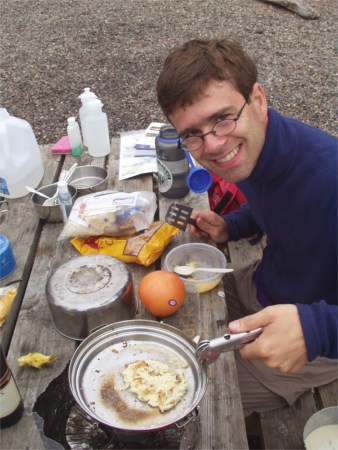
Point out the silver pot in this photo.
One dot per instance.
(89, 179)
(50, 213)
(99, 360)
(90, 291)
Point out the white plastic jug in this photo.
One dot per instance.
(20, 159)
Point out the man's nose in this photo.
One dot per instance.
(213, 143)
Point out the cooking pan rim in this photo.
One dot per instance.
(139, 327)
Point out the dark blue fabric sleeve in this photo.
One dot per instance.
(320, 324)
(241, 223)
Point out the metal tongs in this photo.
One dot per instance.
(210, 350)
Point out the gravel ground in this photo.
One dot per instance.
(52, 49)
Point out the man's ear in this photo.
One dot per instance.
(258, 98)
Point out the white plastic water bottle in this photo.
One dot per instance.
(97, 129)
(74, 135)
(64, 199)
(20, 158)
(85, 97)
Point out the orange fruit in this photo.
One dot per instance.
(161, 292)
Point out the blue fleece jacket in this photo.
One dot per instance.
(292, 197)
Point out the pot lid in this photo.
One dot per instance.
(95, 373)
(88, 282)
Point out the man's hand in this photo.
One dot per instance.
(281, 344)
(209, 224)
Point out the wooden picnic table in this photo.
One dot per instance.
(29, 328)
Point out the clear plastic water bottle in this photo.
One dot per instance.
(64, 199)
(172, 164)
(20, 158)
(74, 135)
(85, 97)
(97, 129)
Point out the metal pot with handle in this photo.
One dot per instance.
(95, 372)
(96, 382)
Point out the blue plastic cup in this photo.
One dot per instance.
(7, 260)
(199, 179)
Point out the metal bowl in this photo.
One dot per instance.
(88, 179)
(50, 213)
(88, 292)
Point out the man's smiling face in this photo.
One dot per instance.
(232, 157)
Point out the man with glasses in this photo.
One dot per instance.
(287, 170)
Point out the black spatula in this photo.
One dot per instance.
(179, 216)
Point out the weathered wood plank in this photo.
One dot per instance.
(140, 183)
(327, 395)
(283, 427)
(34, 330)
(242, 252)
(220, 410)
(22, 227)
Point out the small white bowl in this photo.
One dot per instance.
(203, 255)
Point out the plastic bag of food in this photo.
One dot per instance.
(144, 248)
(110, 213)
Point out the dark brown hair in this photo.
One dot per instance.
(188, 70)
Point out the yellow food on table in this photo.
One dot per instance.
(7, 296)
(36, 360)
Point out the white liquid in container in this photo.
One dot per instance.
(20, 159)
(323, 438)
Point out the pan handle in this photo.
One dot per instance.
(191, 416)
(211, 349)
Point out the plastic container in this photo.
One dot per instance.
(85, 97)
(20, 159)
(172, 164)
(64, 200)
(96, 124)
(203, 255)
(74, 136)
(321, 430)
(7, 260)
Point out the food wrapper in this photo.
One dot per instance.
(36, 360)
(144, 248)
(110, 213)
(7, 296)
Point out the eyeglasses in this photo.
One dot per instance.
(222, 128)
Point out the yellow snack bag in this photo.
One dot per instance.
(144, 248)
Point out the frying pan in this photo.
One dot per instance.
(97, 385)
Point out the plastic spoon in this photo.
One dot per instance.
(69, 173)
(188, 270)
(33, 191)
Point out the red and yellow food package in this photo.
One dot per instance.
(144, 248)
